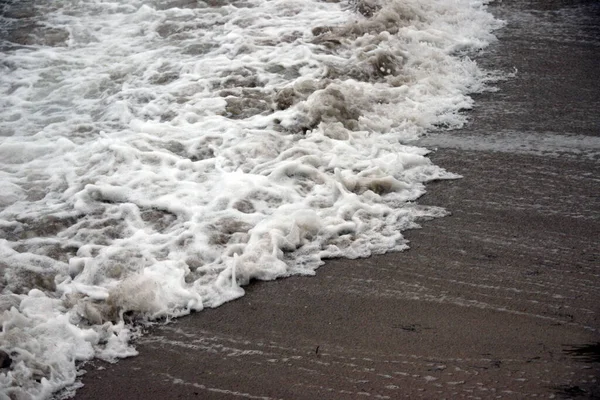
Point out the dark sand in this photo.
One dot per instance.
(490, 302)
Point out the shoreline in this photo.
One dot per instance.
(489, 301)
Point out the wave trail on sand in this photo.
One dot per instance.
(156, 156)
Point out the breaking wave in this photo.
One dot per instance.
(155, 156)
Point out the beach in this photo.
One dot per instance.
(501, 299)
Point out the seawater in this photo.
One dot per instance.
(156, 156)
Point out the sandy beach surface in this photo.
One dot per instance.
(499, 300)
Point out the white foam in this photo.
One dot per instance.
(155, 159)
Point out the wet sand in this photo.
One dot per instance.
(499, 300)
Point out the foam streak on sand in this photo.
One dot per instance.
(155, 156)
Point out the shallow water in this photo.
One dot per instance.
(156, 156)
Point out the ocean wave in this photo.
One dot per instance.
(157, 156)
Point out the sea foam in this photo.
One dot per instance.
(155, 156)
